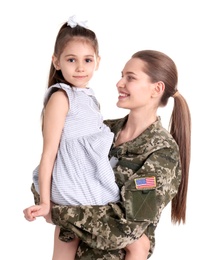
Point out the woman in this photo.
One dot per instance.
(151, 165)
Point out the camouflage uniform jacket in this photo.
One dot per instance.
(148, 174)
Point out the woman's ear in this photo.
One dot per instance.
(159, 88)
(55, 63)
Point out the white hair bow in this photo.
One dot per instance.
(73, 22)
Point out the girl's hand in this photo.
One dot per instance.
(32, 212)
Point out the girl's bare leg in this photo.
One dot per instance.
(139, 249)
(64, 250)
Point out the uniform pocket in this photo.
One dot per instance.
(140, 200)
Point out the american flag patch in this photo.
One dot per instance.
(145, 183)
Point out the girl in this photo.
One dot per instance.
(74, 168)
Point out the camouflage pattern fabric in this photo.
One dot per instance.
(148, 174)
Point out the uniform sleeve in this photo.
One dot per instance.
(115, 225)
(152, 187)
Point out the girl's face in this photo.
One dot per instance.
(77, 63)
(135, 87)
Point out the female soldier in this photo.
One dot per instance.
(151, 165)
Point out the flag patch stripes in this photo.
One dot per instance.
(145, 183)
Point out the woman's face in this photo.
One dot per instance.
(135, 87)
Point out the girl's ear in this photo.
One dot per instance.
(55, 63)
(159, 88)
(98, 62)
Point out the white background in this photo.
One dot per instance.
(28, 29)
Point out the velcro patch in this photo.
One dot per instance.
(146, 183)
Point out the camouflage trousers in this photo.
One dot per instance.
(98, 240)
(90, 225)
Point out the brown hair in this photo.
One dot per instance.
(160, 67)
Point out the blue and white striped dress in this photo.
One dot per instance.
(82, 174)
